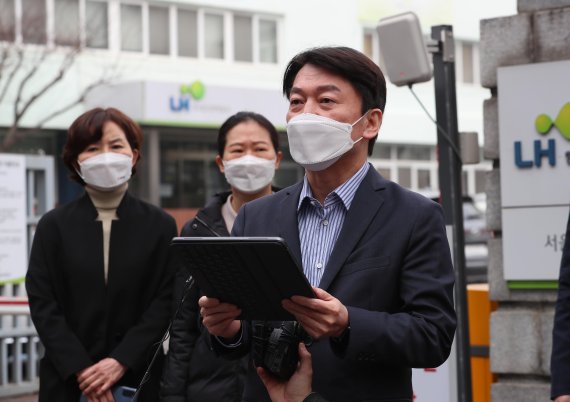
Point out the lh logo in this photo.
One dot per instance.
(543, 124)
(196, 91)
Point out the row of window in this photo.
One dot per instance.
(189, 176)
(144, 27)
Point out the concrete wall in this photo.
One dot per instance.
(521, 328)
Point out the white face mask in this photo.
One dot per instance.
(106, 171)
(316, 142)
(249, 174)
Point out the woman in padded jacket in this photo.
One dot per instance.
(248, 154)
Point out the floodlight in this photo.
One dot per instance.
(403, 50)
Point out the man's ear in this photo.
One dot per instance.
(373, 123)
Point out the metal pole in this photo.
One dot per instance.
(450, 180)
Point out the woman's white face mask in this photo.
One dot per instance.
(316, 142)
(249, 174)
(106, 171)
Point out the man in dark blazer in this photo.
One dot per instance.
(384, 280)
(560, 360)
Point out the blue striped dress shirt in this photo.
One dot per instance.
(320, 225)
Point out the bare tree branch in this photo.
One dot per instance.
(25, 81)
(10, 78)
(19, 112)
(23, 84)
(65, 65)
(3, 60)
(75, 102)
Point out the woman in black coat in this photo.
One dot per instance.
(248, 154)
(99, 279)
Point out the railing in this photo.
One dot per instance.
(20, 347)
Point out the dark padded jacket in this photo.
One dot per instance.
(192, 371)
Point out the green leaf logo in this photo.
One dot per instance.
(197, 90)
(543, 123)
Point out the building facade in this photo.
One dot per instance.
(181, 67)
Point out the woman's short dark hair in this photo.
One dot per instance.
(352, 65)
(88, 129)
(241, 117)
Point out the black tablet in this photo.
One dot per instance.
(254, 273)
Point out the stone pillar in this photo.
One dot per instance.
(521, 328)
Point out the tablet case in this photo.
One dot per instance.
(254, 273)
(120, 394)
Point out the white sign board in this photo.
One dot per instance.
(534, 126)
(208, 104)
(13, 237)
(188, 103)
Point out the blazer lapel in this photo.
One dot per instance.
(287, 221)
(366, 203)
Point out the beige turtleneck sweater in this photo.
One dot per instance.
(106, 203)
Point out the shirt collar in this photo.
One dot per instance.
(346, 191)
(228, 213)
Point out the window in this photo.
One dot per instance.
(158, 30)
(370, 46)
(424, 179)
(467, 50)
(368, 43)
(66, 22)
(385, 172)
(243, 43)
(131, 28)
(405, 177)
(382, 151)
(189, 175)
(267, 41)
(7, 18)
(187, 33)
(214, 36)
(33, 21)
(480, 179)
(414, 152)
(97, 24)
(143, 26)
(464, 183)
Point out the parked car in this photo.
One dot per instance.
(476, 235)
